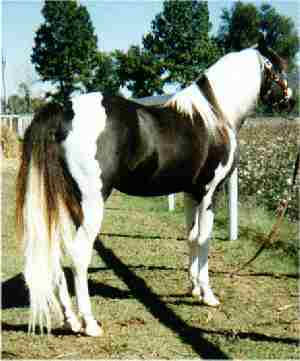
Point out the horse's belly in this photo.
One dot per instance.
(157, 185)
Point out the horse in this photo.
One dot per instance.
(75, 153)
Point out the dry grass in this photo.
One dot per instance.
(10, 144)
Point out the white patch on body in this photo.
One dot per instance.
(236, 82)
(81, 144)
(190, 99)
(80, 149)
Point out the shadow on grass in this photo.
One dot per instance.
(138, 236)
(139, 289)
(14, 293)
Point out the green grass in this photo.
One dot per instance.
(139, 289)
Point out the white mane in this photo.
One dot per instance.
(191, 99)
(236, 82)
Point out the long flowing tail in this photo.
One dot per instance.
(48, 207)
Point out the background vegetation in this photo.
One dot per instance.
(267, 157)
(176, 49)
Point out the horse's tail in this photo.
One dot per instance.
(48, 206)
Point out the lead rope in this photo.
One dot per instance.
(281, 210)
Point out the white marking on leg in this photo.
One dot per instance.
(80, 148)
(70, 319)
(191, 208)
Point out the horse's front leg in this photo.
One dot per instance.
(199, 224)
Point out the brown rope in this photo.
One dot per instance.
(281, 210)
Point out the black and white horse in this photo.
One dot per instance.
(75, 155)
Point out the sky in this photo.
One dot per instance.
(118, 24)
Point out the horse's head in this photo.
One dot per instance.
(274, 91)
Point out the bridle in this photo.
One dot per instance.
(272, 76)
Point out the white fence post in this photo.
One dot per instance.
(22, 122)
(171, 202)
(233, 205)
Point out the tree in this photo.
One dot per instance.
(105, 79)
(176, 50)
(17, 104)
(65, 50)
(180, 40)
(240, 27)
(25, 91)
(243, 24)
(139, 71)
(281, 33)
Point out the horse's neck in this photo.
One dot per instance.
(236, 81)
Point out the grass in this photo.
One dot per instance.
(139, 289)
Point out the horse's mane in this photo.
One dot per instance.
(191, 101)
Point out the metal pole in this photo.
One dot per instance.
(233, 205)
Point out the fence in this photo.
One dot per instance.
(17, 123)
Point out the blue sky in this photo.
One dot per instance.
(118, 24)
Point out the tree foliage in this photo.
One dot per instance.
(18, 104)
(105, 79)
(65, 50)
(139, 71)
(176, 50)
(180, 40)
(243, 23)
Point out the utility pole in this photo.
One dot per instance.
(3, 83)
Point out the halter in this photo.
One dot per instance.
(274, 78)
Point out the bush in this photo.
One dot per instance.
(267, 157)
(10, 145)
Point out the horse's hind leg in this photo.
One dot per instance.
(70, 319)
(80, 250)
(87, 175)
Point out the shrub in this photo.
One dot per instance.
(268, 150)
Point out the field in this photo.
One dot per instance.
(139, 288)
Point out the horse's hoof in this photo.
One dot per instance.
(207, 298)
(210, 300)
(93, 329)
(72, 324)
(196, 293)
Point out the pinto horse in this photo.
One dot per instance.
(75, 154)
